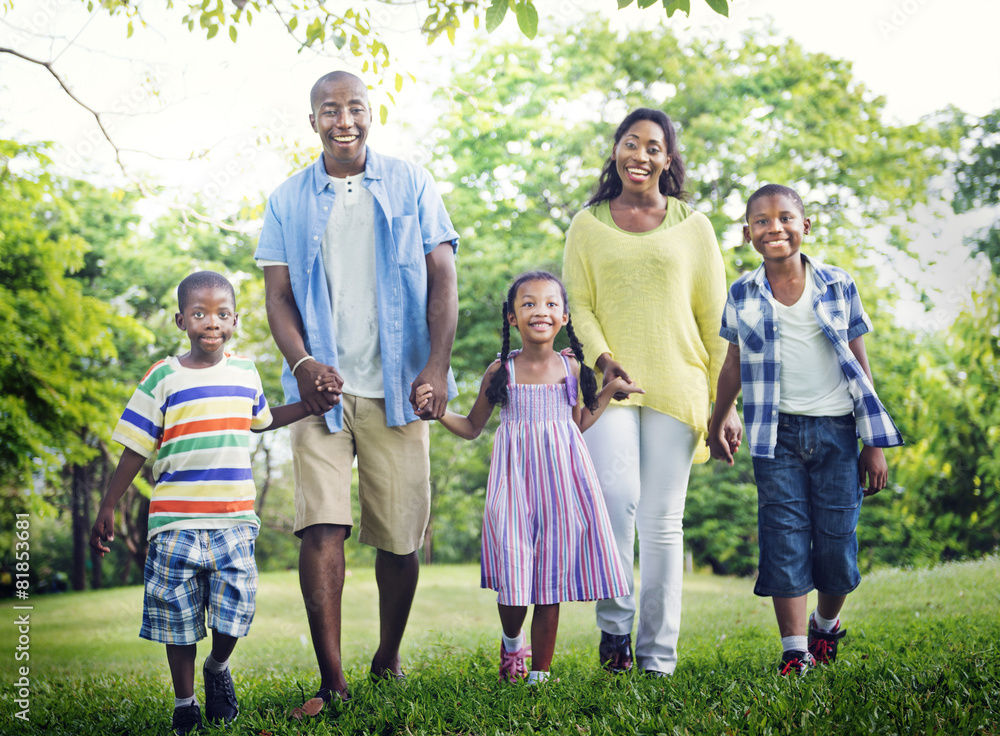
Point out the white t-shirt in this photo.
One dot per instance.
(812, 382)
(348, 251)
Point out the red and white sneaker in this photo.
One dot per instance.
(796, 662)
(823, 644)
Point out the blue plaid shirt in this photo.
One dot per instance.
(749, 321)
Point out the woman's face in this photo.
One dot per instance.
(641, 156)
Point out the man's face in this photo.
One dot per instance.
(342, 117)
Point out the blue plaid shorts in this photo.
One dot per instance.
(191, 572)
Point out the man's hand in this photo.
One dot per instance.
(319, 386)
(435, 406)
(871, 463)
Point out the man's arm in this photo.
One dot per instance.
(442, 320)
(286, 328)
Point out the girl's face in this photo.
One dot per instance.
(538, 311)
(641, 156)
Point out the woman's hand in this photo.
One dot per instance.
(612, 369)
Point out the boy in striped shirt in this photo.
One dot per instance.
(196, 412)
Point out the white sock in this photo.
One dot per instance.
(181, 702)
(512, 645)
(800, 643)
(215, 667)
(824, 624)
(537, 677)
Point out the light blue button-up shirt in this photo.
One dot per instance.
(749, 322)
(410, 222)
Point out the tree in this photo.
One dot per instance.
(526, 128)
(359, 30)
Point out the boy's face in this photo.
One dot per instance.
(342, 118)
(776, 227)
(209, 319)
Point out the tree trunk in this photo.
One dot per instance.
(79, 489)
(96, 571)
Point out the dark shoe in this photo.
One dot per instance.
(387, 676)
(326, 695)
(186, 719)
(220, 697)
(315, 705)
(616, 652)
(823, 644)
(796, 662)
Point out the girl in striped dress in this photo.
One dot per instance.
(546, 534)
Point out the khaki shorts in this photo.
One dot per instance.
(393, 475)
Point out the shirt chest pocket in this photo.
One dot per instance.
(751, 329)
(408, 241)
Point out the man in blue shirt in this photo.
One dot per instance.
(358, 255)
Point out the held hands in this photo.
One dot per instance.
(424, 393)
(612, 369)
(724, 439)
(433, 401)
(621, 386)
(319, 386)
(871, 463)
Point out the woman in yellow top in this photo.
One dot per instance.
(647, 283)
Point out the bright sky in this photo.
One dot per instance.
(176, 95)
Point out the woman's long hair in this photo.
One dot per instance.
(671, 181)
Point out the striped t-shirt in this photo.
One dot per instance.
(198, 421)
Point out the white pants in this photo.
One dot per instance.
(643, 460)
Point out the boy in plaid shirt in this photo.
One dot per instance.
(796, 331)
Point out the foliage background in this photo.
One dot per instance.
(86, 284)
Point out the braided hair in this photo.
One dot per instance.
(496, 392)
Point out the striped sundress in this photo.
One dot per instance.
(546, 533)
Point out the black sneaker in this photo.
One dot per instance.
(220, 697)
(796, 662)
(616, 652)
(187, 718)
(823, 644)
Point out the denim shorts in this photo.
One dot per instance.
(193, 572)
(808, 503)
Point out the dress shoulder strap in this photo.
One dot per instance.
(571, 382)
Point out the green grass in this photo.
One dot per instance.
(921, 656)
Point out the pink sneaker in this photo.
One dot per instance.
(512, 666)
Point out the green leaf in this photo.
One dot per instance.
(131, 30)
(624, 3)
(232, 33)
(399, 81)
(495, 15)
(527, 18)
(212, 30)
(719, 6)
(646, 3)
(383, 113)
(293, 23)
